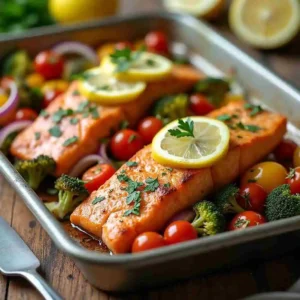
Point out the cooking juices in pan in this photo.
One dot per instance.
(67, 90)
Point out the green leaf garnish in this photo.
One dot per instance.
(55, 131)
(224, 117)
(131, 163)
(185, 128)
(98, 199)
(152, 184)
(133, 197)
(255, 109)
(37, 135)
(251, 128)
(292, 174)
(74, 121)
(70, 141)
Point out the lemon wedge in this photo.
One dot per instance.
(194, 142)
(209, 9)
(146, 67)
(265, 24)
(102, 87)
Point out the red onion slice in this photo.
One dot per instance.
(103, 153)
(185, 215)
(77, 48)
(12, 127)
(12, 101)
(85, 163)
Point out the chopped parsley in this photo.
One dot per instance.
(98, 199)
(132, 186)
(224, 117)
(131, 163)
(133, 197)
(94, 112)
(55, 131)
(60, 114)
(37, 136)
(185, 128)
(134, 211)
(169, 169)
(70, 141)
(44, 113)
(131, 138)
(241, 223)
(167, 185)
(251, 128)
(255, 109)
(82, 106)
(74, 121)
(152, 184)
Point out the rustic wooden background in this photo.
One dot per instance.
(61, 272)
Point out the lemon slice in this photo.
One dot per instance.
(209, 144)
(147, 67)
(200, 8)
(102, 87)
(265, 24)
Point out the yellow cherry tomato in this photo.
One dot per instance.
(297, 157)
(232, 98)
(105, 50)
(268, 175)
(55, 85)
(3, 99)
(35, 80)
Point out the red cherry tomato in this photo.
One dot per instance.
(25, 114)
(49, 96)
(252, 196)
(124, 45)
(125, 143)
(147, 241)
(293, 180)
(200, 105)
(97, 175)
(49, 64)
(246, 219)
(285, 150)
(179, 231)
(149, 127)
(157, 41)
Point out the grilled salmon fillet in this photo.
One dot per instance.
(93, 122)
(177, 189)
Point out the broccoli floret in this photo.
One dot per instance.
(208, 220)
(35, 170)
(71, 192)
(281, 204)
(171, 108)
(225, 200)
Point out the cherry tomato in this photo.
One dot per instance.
(49, 96)
(49, 64)
(285, 151)
(252, 196)
(179, 231)
(146, 241)
(200, 105)
(123, 45)
(157, 41)
(125, 143)
(293, 179)
(97, 175)
(246, 219)
(149, 127)
(296, 160)
(268, 175)
(25, 114)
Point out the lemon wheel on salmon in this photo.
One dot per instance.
(141, 66)
(265, 24)
(102, 87)
(194, 142)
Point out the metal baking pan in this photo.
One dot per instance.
(126, 272)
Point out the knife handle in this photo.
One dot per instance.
(41, 285)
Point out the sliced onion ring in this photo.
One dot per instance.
(184, 215)
(12, 101)
(12, 127)
(103, 153)
(77, 48)
(85, 163)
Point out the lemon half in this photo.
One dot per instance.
(102, 87)
(147, 67)
(265, 24)
(209, 144)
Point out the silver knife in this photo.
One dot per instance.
(16, 259)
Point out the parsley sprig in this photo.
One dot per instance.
(185, 128)
(255, 109)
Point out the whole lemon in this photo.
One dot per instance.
(71, 11)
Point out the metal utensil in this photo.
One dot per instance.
(16, 259)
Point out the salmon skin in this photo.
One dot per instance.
(51, 135)
(174, 189)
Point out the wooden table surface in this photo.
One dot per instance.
(65, 277)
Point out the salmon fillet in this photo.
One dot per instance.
(178, 189)
(90, 129)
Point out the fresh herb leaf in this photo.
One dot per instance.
(124, 124)
(255, 109)
(122, 177)
(55, 131)
(169, 169)
(167, 185)
(94, 112)
(44, 113)
(74, 121)
(133, 197)
(251, 128)
(131, 163)
(82, 106)
(60, 114)
(152, 184)
(70, 141)
(134, 211)
(292, 174)
(132, 186)
(131, 138)
(185, 128)
(37, 135)
(98, 199)
(224, 117)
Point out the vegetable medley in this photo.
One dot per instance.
(181, 137)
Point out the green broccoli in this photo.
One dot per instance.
(71, 192)
(171, 108)
(208, 220)
(35, 170)
(16, 64)
(225, 200)
(281, 204)
(8, 142)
